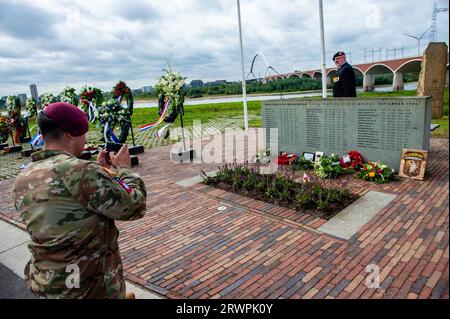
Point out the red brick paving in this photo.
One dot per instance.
(185, 248)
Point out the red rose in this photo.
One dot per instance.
(379, 171)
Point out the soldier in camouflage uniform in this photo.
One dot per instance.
(69, 206)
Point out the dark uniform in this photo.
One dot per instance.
(344, 85)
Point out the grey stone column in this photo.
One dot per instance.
(397, 82)
(368, 82)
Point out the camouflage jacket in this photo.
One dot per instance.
(69, 207)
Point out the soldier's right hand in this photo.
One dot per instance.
(122, 158)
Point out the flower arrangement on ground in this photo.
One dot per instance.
(377, 172)
(328, 166)
(68, 95)
(356, 161)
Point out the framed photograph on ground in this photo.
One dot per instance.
(318, 156)
(308, 156)
(413, 164)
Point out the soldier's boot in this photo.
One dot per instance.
(129, 295)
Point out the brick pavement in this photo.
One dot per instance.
(185, 248)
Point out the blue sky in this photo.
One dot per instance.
(55, 43)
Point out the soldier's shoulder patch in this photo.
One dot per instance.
(122, 183)
(336, 79)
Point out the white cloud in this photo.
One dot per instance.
(55, 43)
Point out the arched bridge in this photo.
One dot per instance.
(368, 70)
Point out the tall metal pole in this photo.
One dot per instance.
(322, 37)
(244, 89)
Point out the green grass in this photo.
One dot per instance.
(204, 113)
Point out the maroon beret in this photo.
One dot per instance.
(68, 117)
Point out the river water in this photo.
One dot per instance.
(384, 88)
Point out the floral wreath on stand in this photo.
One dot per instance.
(13, 107)
(5, 128)
(12, 104)
(122, 91)
(68, 95)
(170, 93)
(91, 99)
(110, 113)
(47, 99)
(31, 107)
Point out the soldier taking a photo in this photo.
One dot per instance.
(69, 207)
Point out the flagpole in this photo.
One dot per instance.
(244, 90)
(322, 38)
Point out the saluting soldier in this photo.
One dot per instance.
(69, 206)
(344, 85)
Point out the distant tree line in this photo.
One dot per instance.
(293, 84)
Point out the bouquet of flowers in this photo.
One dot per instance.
(31, 106)
(377, 172)
(68, 95)
(170, 85)
(328, 167)
(12, 104)
(89, 94)
(5, 128)
(356, 160)
(47, 99)
(112, 112)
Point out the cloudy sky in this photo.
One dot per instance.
(55, 43)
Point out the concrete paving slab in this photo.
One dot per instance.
(195, 180)
(10, 237)
(351, 219)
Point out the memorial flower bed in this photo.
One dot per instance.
(281, 189)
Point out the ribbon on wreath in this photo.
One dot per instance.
(159, 121)
(92, 112)
(111, 133)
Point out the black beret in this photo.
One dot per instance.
(338, 54)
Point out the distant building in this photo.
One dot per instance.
(136, 91)
(148, 89)
(217, 82)
(196, 83)
(34, 92)
(22, 98)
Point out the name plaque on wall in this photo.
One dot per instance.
(378, 128)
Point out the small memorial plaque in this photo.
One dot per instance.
(413, 164)
(308, 156)
(346, 159)
(318, 156)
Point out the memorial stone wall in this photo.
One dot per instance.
(378, 128)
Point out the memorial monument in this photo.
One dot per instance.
(378, 128)
(432, 76)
